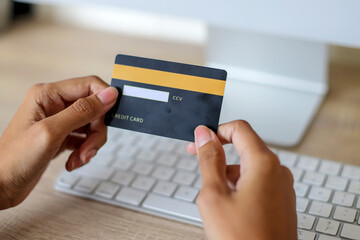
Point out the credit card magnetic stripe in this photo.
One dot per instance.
(174, 67)
(169, 79)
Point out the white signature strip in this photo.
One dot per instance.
(145, 93)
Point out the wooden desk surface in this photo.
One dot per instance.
(33, 52)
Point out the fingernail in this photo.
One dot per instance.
(75, 162)
(72, 165)
(107, 95)
(202, 136)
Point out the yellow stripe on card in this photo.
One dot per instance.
(169, 79)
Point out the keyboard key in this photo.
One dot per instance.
(305, 221)
(122, 164)
(287, 158)
(185, 178)
(329, 167)
(126, 152)
(301, 204)
(127, 139)
(232, 158)
(326, 237)
(147, 155)
(180, 148)
(319, 193)
(229, 149)
(165, 188)
(187, 163)
(147, 142)
(305, 235)
(108, 148)
(327, 226)
(197, 183)
(86, 185)
(344, 214)
(94, 172)
(103, 159)
(350, 231)
(167, 159)
(337, 183)
(320, 209)
(172, 206)
(354, 187)
(67, 180)
(113, 135)
(308, 163)
(166, 145)
(143, 168)
(164, 173)
(107, 189)
(344, 199)
(300, 189)
(123, 178)
(186, 193)
(313, 178)
(130, 195)
(351, 172)
(297, 173)
(358, 204)
(143, 183)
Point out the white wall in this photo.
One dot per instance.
(126, 21)
(151, 25)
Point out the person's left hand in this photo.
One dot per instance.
(53, 117)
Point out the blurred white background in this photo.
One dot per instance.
(276, 53)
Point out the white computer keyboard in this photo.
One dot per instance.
(156, 175)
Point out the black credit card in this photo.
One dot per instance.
(165, 98)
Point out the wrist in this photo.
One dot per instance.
(6, 201)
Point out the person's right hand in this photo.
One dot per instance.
(52, 118)
(255, 200)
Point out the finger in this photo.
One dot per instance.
(289, 194)
(244, 138)
(247, 143)
(237, 132)
(287, 176)
(211, 160)
(82, 112)
(72, 89)
(74, 141)
(97, 136)
(55, 97)
(81, 129)
(95, 140)
(73, 161)
(191, 148)
(233, 173)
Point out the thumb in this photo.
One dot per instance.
(84, 111)
(211, 159)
